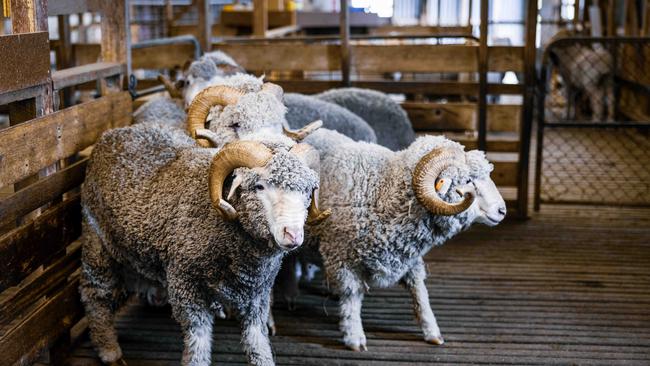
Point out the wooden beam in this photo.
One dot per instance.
(462, 116)
(47, 323)
(27, 247)
(414, 58)
(41, 192)
(83, 74)
(260, 17)
(33, 145)
(506, 58)
(285, 57)
(27, 293)
(25, 60)
(162, 57)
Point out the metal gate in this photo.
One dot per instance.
(593, 136)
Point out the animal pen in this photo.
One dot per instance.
(565, 279)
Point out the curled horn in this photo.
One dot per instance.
(300, 134)
(274, 89)
(424, 179)
(310, 156)
(200, 107)
(248, 154)
(169, 85)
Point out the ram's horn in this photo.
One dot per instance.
(424, 180)
(169, 85)
(274, 89)
(300, 134)
(248, 154)
(311, 158)
(206, 99)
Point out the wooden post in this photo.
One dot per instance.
(29, 16)
(611, 24)
(260, 17)
(205, 24)
(116, 39)
(345, 42)
(482, 75)
(530, 51)
(64, 56)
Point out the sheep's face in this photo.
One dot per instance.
(488, 208)
(272, 202)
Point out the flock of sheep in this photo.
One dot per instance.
(198, 209)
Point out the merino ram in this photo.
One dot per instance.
(390, 208)
(152, 207)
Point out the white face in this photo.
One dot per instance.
(489, 207)
(285, 213)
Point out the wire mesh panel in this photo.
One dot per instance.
(593, 143)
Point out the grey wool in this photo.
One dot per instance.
(147, 211)
(379, 231)
(303, 109)
(386, 117)
(161, 110)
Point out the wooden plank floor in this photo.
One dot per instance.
(570, 286)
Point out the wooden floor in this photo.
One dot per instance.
(570, 286)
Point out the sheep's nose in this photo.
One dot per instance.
(502, 210)
(293, 235)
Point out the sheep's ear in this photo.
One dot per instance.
(442, 186)
(235, 183)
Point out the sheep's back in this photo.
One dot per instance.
(389, 121)
(303, 109)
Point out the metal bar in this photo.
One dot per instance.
(540, 138)
(357, 37)
(345, 42)
(574, 124)
(530, 56)
(482, 74)
(187, 39)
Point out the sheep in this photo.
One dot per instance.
(589, 69)
(303, 109)
(161, 110)
(389, 121)
(390, 208)
(152, 205)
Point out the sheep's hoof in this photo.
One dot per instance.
(119, 362)
(272, 329)
(437, 340)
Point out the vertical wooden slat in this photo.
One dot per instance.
(345, 42)
(260, 17)
(482, 71)
(64, 56)
(527, 110)
(205, 24)
(28, 16)
(116, 40)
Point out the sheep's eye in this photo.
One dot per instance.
(236, 125)
(259, 187)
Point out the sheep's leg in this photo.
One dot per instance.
(351, 297)
(255, 338)
(195, 318)
(597, 99)
(413, 281)
(99, 287)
